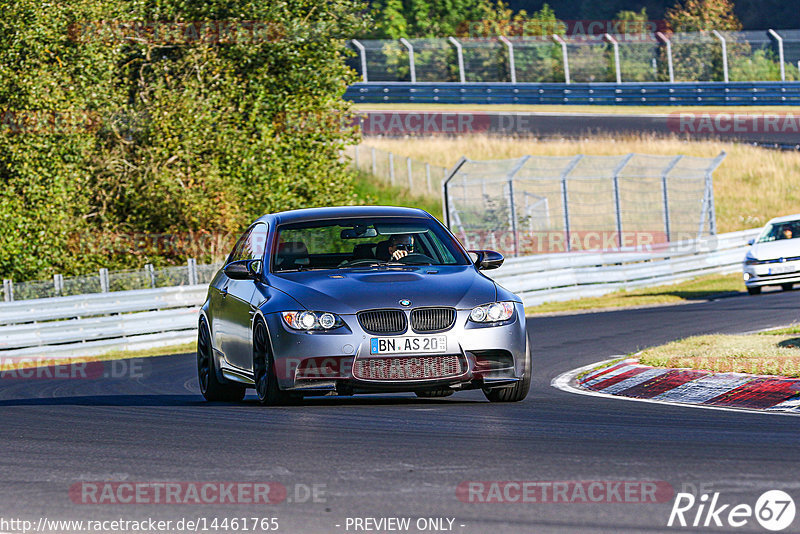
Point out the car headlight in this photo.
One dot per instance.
(492, 313)
(311, 320)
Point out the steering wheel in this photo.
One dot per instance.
(416, 257)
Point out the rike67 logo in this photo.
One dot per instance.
(774, 510)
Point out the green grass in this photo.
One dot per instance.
(775, 353)
(701, 288)
(373, 191)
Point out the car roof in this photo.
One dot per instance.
(335, 212)
(785, 218)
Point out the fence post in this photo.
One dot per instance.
(778, 38)
(391, 168)
(355, 158)
(669, 55)
(410, 48)
(460, 54)
(152, 273)
(363, 53)
(615, 44)
(571, 165)
(512, 204)
(8, 290)
(724, 54)
(448, 175)
(374, 162)
(617, 207)
(408, 170)
(104, 280)
(564, 54)
(428, 176)
(58, 284)
(512, 69)
(191, 263)
(712, 213)
(665, 195)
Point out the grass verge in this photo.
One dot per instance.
(770, 353)
(33, 361)
(701, 288)
(745, 169)
(374, 191)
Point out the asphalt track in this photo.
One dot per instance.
(398, 456)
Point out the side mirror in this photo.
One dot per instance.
(487, 259)
(243, 270)
(751, 241)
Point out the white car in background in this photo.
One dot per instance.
(774, 257)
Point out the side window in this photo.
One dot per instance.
(251, 245)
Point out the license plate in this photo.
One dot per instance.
(408, 345)
(783, 269)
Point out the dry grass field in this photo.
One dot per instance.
(751, 186)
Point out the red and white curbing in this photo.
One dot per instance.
(632, 380)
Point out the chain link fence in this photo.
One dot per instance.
(770, 55)
(106, 281)
(558, 204)
(399, 171)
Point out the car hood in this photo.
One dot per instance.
(770, 250)
(347, 291)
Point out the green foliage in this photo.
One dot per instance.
(193, 136)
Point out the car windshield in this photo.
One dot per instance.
(781, 230)
(364, 242)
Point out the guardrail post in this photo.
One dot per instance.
(363, 53)
(564, 197)
(617, 207)
(412, 68)
(779, 39)
(391, 168)
(58, 284)
(428, 176)
(152, 273)
(564, 54)
(615, 44)
(191, 263)
(104, 280)
(460, 55)
(665, 195)
(374, 163)
(408, 171)
(669, 55)
(8, 290)
(724, 55)
(512, 69)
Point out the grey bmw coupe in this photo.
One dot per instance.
(350, 300)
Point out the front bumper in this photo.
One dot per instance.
(774, 274)
(489, 356)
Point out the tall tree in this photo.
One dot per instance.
(702, 15)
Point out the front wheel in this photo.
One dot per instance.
(518, 391)
(267, 390)
(755, 290)
(787, 287)
(212, 388)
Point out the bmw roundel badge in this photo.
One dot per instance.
(405, 302)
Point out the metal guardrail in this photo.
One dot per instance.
(90, 324)
(566, 276)
(653, 93)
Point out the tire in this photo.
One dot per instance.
(212, 388)
(754, 290)
(434, 393)
(518, 391)
(266, 381)
(787, 287)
